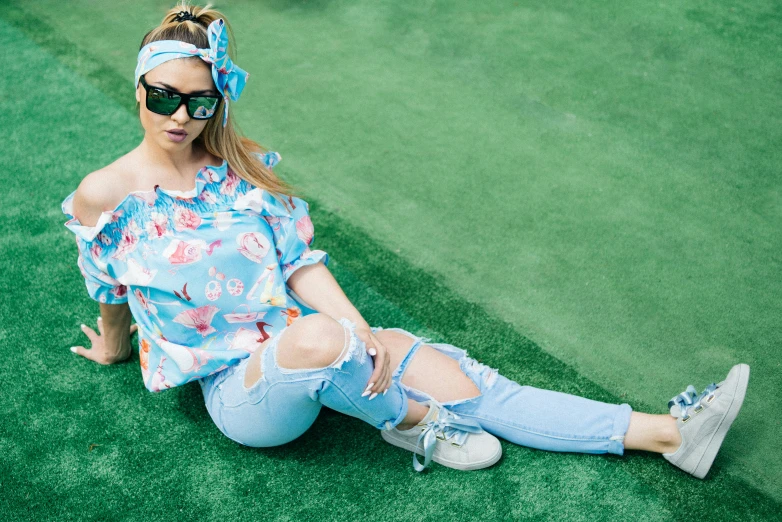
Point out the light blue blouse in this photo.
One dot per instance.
(204, 271)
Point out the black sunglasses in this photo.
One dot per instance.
(166, 102)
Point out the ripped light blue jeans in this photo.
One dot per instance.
(284, 403)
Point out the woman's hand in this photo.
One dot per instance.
(100, 352)
(380, 380)
(315, 285)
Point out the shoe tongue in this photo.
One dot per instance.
(431, 414)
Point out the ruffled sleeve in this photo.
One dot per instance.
(293, 239)
(290, 222)
(101, 286)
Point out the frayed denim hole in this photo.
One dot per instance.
(469, 366)
(423, 397)
(468, 370)
(481, 375)
(399, 371)
(264, 354)
(450, 350)
(486, 375)
(415, 394)
(281, 369)
(354, 348)
(474, 371)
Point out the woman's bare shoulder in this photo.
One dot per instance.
(100, 191)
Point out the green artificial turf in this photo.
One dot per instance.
(84, 441)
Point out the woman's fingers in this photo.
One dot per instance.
(93, 355)
(97, 352)
(87, 354)
(375, 379)
(386, 362)
(84, 352)
(380, 380)
(372, 352)
(382, 383)
(371, 349)
(81, 350)
(381, 362)
(378, 377)
(90, 333)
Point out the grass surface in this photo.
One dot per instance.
(398, 183)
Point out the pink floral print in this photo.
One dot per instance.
(204, 271)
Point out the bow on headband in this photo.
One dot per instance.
(228, 77)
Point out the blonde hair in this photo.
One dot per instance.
(224, 142)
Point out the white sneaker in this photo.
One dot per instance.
(704, 419)
(446, 438)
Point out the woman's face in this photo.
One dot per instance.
(185, 75)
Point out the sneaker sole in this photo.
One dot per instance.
(451, 464)
(733, 410)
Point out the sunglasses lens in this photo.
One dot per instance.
(165, 102)
(202, 107)
(162, 102)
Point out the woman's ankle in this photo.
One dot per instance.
(415, 414)
(670, 438)
(649, 432)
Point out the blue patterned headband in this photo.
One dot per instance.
(228, 77)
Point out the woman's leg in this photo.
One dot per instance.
(275, 395)
(525, 415)
(316, 342)
(657, 433)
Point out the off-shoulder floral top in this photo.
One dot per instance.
(204, 271)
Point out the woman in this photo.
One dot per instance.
(225, 289)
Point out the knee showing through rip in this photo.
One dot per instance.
(313, 341)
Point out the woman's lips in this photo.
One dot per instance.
(176, 136)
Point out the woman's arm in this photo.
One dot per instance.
(317, 287)
(113, 343)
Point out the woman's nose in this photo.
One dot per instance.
(181, 115)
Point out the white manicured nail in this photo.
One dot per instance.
(365, 393)
(372, 351)
(369, 386)
(98, 318)
(84, 326)
(373, 396)
(73, 349)
(386, 391)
